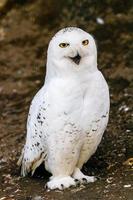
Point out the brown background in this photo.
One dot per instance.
(25, 31)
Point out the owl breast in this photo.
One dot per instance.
(84, 103)
(94, 116)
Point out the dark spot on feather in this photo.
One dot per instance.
(103, 116)
(41, 122)
(37, 143)
(38, 116)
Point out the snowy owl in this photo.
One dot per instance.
(69, 114)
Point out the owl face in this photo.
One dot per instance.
(74, 51)
(71, 49)
(72, 45)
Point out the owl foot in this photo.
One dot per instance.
(60, 183)
(81, 178)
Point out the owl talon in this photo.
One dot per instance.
(61, 183)
(83, 179)
(77, 182)
(46, 187)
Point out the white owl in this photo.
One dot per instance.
(68, 116)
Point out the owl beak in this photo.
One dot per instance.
(76, 59)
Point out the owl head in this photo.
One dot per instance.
(71, 51)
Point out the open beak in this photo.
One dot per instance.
(76, 59)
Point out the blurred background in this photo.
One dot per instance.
(26, 27)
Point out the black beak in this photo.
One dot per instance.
(76, 59)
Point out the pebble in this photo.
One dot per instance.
(127, 186)
(99, 20)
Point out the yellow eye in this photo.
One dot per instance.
(85, 42)
(63, 45)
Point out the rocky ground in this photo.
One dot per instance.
(25, 30)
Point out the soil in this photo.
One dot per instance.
(26, 28)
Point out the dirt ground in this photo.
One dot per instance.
(25, 31)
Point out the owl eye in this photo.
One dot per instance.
(85, 42)
(63, 45)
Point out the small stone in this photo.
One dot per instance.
(2, 198)
(99, 20)
(127, 186)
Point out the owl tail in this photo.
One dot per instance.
(19, 162)
(27, 167)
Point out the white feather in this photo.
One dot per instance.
(69, 114)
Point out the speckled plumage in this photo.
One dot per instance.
(68, 116)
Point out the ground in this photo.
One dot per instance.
(25, 30)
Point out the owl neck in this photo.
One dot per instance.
(64, 68)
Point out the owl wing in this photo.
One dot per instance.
(34, 151)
